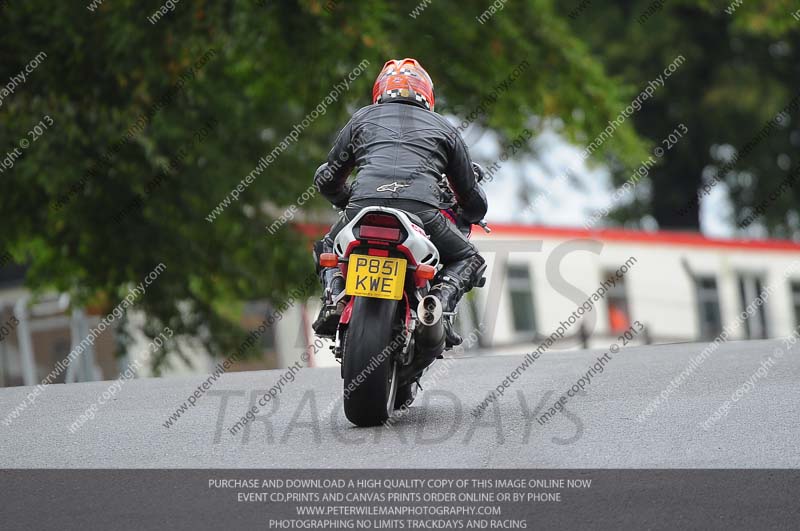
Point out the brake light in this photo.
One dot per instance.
(328, 260)
(381, 220)
(379, 233)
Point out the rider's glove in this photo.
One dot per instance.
(480, 173)
(342, 198)
(337, 194)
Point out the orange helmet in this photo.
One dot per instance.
(404, 80)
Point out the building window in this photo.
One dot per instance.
(708, 307)
(796, 302)
(519, 287)
(750, 289)
(619, 317)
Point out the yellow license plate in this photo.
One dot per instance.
(375, 276)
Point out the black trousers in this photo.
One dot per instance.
(453, 246)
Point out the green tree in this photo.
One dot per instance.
(740, 72)
(85, 207)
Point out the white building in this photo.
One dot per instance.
(679, 286)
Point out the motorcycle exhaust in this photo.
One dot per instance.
(429, 310)
(430, 336)
(428, 339)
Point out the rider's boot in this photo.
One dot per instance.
(450, 284)
(332, 303)
(332, 292)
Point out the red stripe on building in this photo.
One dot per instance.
(691, 239)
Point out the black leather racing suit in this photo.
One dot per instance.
(400, 152)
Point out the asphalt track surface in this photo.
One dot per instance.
(598, 430)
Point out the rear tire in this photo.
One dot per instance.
(368, 335)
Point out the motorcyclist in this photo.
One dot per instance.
(400, 149)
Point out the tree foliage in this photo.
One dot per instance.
(154, 124)
(740, 72)
(128, 101)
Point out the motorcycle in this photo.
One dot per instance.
(391, 329)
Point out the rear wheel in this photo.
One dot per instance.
(368, 366)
